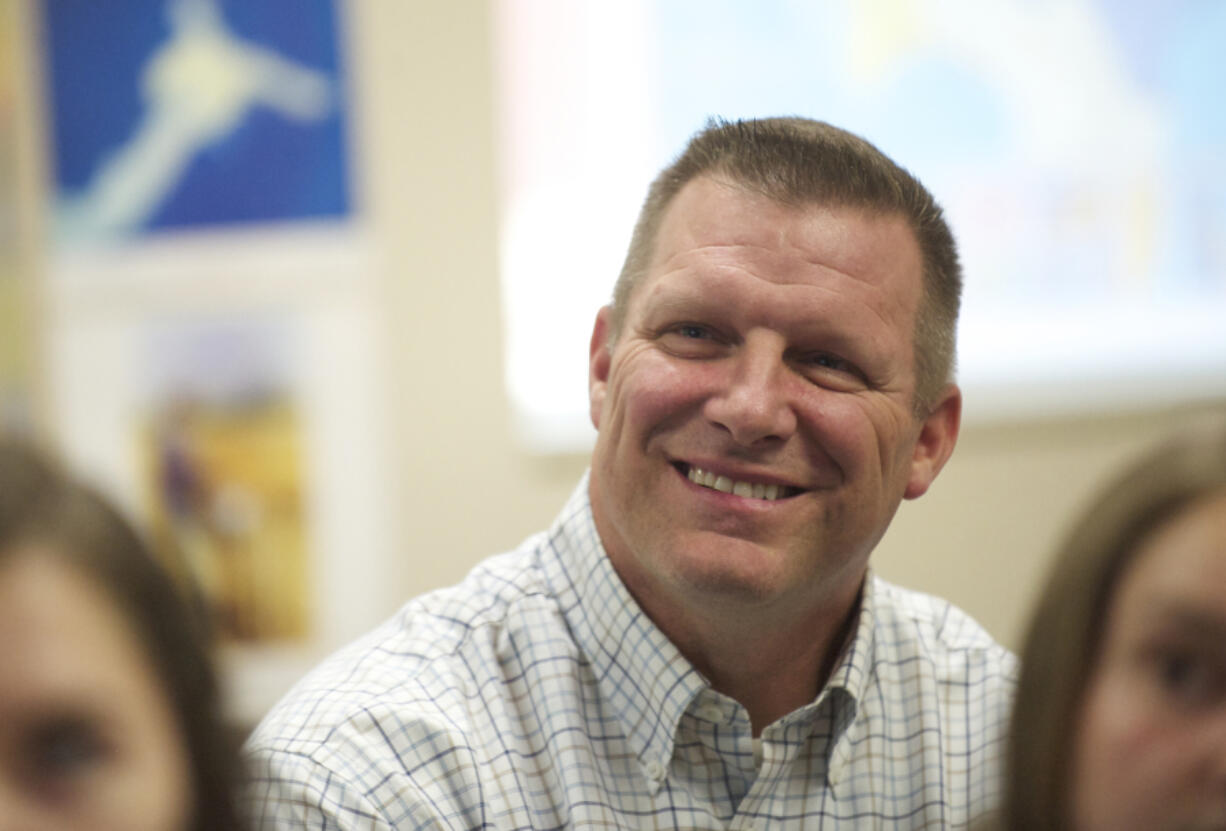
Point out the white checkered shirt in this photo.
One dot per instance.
(537, 694)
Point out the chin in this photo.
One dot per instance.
(747, 581)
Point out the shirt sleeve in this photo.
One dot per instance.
(287, 790)
(366, 774)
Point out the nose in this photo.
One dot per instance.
(753, 404)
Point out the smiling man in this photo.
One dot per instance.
(698, 641)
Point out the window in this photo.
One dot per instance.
(1076, 146)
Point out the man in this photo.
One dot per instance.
(697, 642)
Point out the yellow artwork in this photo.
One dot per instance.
(223, 467)
(15, 358)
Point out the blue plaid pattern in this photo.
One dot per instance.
(536, 694)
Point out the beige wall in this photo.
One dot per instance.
(984, 534)
(425, 131)
(426, 116)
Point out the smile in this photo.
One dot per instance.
(748, 490)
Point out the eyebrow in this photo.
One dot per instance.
(1188, 619)
(674, 299)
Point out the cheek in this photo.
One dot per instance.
(165, 789)
(852, 432)
(652, 393)
(1130, 758)
(154, 761)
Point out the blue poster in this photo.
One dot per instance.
(176, 114)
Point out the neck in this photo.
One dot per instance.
(771, 663)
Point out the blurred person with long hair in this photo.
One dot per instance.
(1120, 716)
(109, 706)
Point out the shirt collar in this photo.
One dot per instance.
(641, 674)
(849, 682)
(852, 671)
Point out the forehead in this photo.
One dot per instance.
(1184, 560)
(717, 220)
(714, 228)
(60, 631)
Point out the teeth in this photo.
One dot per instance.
(725, 485)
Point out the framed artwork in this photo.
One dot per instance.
(246, 434)
(220, 449)
(212, 317)
(179, 114)
(16, 334)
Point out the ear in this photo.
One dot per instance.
(937, 437)
(600, 356)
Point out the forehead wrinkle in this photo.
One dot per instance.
(688, 291)
(795, 259)
(842, 235)
(795, 271)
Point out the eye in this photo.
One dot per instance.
(692, 331)
(59, 751)
(692, 340)
(828, 361)
(829, 369)
(1189, 678)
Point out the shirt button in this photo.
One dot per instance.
(655, 770)
(711, 712)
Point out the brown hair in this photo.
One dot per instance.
(1066, 629)
(799, 161)
(43, 509)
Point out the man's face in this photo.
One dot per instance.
(755, 413)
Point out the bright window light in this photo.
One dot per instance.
(1078, 148)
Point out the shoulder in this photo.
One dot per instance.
(437, 645)
(932, 619)
(940, 688)
(390, 719)
(918, 626)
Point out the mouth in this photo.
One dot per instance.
(766, 491)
